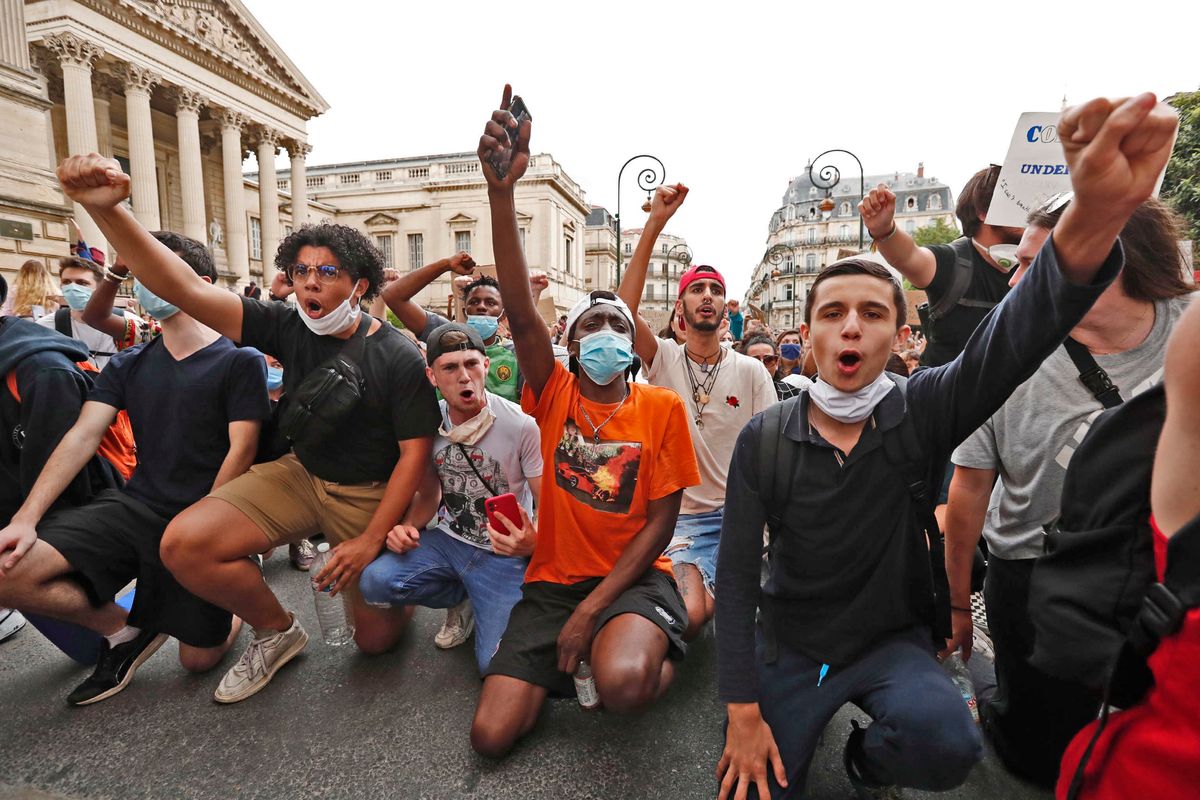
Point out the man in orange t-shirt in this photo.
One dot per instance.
(598, 588)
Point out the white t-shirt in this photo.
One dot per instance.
(508, 454)
(741, 388)
(94, 340)
(1031, 439)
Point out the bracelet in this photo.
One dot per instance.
(891, 233)
(114, 277)
(960, 608)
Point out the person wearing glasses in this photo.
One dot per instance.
(761, 347)
(598, 588)
(353, 468)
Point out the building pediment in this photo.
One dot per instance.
(226, 31)
(461, 218)
(382, 219)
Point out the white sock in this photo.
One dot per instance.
(126, 634)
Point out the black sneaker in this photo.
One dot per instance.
(862, 788)
(115, 668)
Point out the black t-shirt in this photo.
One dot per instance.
(952, 331)
(180, 412)
(399, 402)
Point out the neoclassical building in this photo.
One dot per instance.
(813, 228)
(178, 91)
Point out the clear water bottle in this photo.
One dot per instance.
(333, 613)
(956, 668)
(585, 686)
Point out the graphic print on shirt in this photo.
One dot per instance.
(463, 493)
(603, 475)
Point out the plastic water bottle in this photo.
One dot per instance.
(956, 668)
(333, 613)
(585, 687)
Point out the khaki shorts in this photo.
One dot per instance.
(288, 503)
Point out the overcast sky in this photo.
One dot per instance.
(733, 100)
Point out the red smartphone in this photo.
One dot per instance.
(507, 505)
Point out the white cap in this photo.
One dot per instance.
(589, 300)
(323, 547)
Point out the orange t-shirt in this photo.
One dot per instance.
(596, 501)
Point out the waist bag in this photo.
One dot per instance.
(328, 394)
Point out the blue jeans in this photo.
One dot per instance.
(922, 735)
(695, 542)
(441, 573)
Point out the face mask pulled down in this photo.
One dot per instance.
(484, 325)
(335, 321)
(471, 431)
(850, 407)
(605, 355)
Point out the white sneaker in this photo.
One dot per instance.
(259, 663)
(458, 627)
(11, 621)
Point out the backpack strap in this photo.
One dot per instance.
(776, 470)
(62, 321)
(960, 281)
(1092, 375)
(903, 449)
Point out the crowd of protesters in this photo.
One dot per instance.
(792, 484)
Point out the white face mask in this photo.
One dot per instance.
(335, 321)
(1005, 255)
(472, 430)
(850, 407)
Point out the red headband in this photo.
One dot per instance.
(700, 272)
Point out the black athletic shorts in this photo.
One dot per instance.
(115, 539)
(528, 650)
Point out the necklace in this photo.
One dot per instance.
(704, 365)
(702, 388)
(597, 428)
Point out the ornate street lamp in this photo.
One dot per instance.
(774, 256)
(830, 176)
(647, 179)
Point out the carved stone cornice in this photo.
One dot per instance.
(139, 79)
(267, 137)
(188, 100)
(73, 50)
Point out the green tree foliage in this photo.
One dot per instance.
(940, 232)
(1182, 184)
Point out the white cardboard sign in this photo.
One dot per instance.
(1034, 170)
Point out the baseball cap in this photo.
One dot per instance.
(434, 349)
(700, 272)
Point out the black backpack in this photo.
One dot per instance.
(1088, 588)
(902, 447)
(960, 281)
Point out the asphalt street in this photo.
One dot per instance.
(335, 724)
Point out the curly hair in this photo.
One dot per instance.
(357, 255)
(483, 280)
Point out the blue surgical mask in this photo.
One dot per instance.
(484, 325)
(791, 352)
(152, 304)
(274, 378)
(605, 355)
(76, 296)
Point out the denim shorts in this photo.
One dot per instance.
(695, 542)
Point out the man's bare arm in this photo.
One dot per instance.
(1175, 487)
(243, 446)
(878, 211)
(667, 200)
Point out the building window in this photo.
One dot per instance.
(666, 268)
(649, 291)
(910, 226)
(314, 181)
(383, 175)
(810, 261)
(628, 248)
(910, 204)
(664, 248)
(416, 250)
(811, 235)
(255, 239)
(521, 231)
(935, 202)
(787, 291)
(844, 231)
(384, 243)
(287, 231)
(569, 246)
(349, 178)
(462, 241)
(845, 210)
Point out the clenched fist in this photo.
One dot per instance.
(93, 181)
(878, 211)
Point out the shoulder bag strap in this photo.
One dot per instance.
(1092, 375)
(960, 279)
(471, 464)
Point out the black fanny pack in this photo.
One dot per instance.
(328, 394)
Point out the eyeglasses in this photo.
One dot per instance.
(767, 360)
(326, 273)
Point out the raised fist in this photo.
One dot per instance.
(461, 282)
(390, 276)
(1116, 149)
(667, 200)
(93, 180)
(461, 263)
(538, 282)
(496, 146)
(878, 211)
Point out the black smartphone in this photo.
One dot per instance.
(521, 114)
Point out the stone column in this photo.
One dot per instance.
(268, 196)
(298, 152)
(138, 84)
(237, 246)
(13, 50)
(76, 56)
(191, 169)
